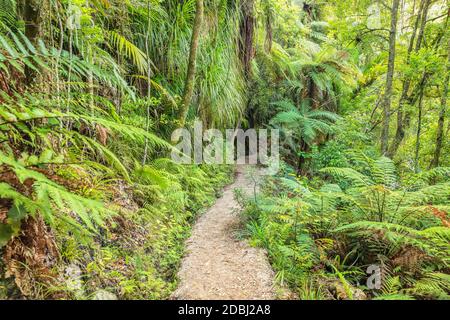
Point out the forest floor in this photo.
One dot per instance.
(219, 265)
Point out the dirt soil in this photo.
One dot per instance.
(218, 265)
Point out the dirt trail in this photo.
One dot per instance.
(217, 265)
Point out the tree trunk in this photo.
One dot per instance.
(247, 34)
(313, 94)
(149, 83)
(190, 77)
(301, 161)
(441, 121)
(423, 23)
(246, 48)
(400, 132)
(389, 79)
(402, 118)
(31, 17)
(419, 131)
(269, 31)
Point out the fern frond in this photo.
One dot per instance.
(357, 178)
(130, 51)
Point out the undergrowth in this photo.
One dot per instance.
(325, 237)
(136, 254)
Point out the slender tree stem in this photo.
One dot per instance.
(191, 71)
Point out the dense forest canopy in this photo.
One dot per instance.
(91, 91)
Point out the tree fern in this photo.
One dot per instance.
(303, 122)
(357, 178)
(7, 14)
(48, 198)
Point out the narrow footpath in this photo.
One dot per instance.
(219, 266)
